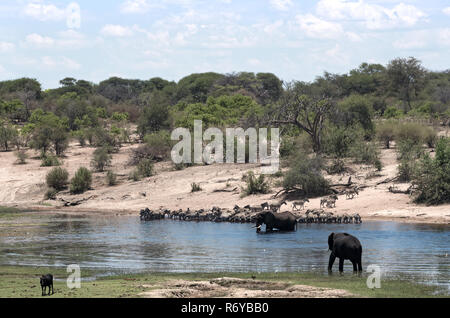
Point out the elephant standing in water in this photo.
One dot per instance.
(345, 246)
(285, 221)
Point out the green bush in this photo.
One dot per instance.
(134, 175)
(81, 182)
(49, 160)
(413, 132)
(386, 132)
(336, 167)
(365, 152)
(21, 156)
(101, 159)
(57, 178)
(409, 150)
(406, 170)
(392, 112)
(51, 194)
(432, 176)
(337, 141)
(145, 168)
(111, 178)
(195, 187)
(159, 145)
(430, 137)
(305, 173)
(255, 185)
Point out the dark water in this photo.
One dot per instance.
(119, 244)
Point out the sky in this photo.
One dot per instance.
(294, 39)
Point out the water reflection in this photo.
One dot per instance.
(126, 244)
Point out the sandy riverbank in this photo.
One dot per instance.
(24, 187)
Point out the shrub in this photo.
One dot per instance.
(432, 176)
(365, 152)
(51, 194)
(81, 182)
(21, 156)
(57, 178)
(49, 160)
(430, 137)
(337, 166)
(102, 138)
(392, 112)
(101, 159)
(195, 187)
(255, 184)
(378, 165)
(386, 133)
(409, 150)
(159, 145)
(134, 175)
(337, 141)
(145, 168)
(111, 178)
(406, 170)
(305, 173)
(410, 131)
(80, 136)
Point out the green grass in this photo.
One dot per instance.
(23, 282)
(9, 212)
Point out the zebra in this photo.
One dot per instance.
(253, 208)
(350, 194)
(265, 206)
(277, 206)
(300, 204)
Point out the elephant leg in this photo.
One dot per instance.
(355, 268)
(360, 265)
(331, 262)
(341, 265)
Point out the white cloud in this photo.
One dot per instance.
(254, 62)
(44, 12)
(137, 6)
(409, 43)
(116, 30)
(6, 47)
(444, 36)
(282, 5)
(373, 16)
(273, 27)
(315, 27)
(58, 63)
(446, 11)
(39, 40)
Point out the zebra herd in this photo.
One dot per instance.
(248, 214)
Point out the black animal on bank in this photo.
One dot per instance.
(47, 281)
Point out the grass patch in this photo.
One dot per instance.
(23, 282)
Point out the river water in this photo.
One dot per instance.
(124, 244)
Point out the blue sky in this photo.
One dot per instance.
(48, 40)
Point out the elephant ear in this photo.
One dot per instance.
(331, 241)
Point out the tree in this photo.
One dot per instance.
(154, 118)
(307, 112)
(101, 159)
(8, 133)
(407, 77)
(47, 130)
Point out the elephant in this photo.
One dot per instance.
(285, 221)
(345, 246)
